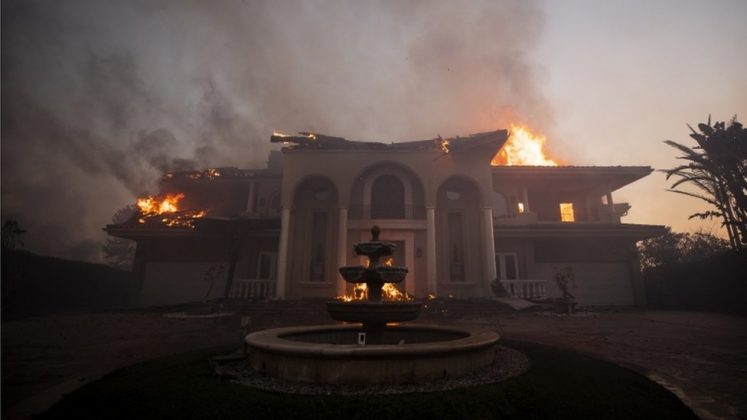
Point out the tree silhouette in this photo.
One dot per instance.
(674, 248)
(11, 235)
(717, 167)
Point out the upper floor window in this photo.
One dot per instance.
(566, 212)
(387, 198)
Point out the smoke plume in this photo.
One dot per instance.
(100, 97)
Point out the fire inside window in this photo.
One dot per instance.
(521, 207)
(566, 212)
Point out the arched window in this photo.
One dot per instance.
(387, 198)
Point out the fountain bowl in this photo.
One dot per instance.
(352, 273)
(375, 248)
(329, 354)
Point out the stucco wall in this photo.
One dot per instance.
(596, 283)
(173, 282)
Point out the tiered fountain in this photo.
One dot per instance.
(374, 313)
(372, 350)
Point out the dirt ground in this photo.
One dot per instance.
(701, 357)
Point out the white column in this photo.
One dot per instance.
(610, 204)
(250, 201)
(525, 198)
(342, 247)
(430, 247)
(283, 253)
(489, 245)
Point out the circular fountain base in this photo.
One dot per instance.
(329, 354)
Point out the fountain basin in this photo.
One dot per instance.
(367, 312)
(329, 354)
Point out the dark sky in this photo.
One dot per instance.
(99, 97)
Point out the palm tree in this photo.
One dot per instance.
(717, 167)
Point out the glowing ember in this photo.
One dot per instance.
(523, 148)
(212, 173)
(444, 143)
(168, 208)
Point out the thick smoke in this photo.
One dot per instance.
(100, 97)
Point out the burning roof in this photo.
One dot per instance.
(165, 209)
(523, 148)
(440, 144)
(517, 146)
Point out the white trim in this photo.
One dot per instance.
(489, 247)
(283, 252)
(430, 247)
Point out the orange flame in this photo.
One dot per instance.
(168, 207)
(523, 148)
(388, 292)
(152, 206)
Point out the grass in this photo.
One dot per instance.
(560, 384)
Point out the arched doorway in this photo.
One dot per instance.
(313, 238)
(459, 233)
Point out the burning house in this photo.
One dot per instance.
(463, 211)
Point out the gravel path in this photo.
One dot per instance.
(702, 357)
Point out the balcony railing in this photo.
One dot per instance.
(358, 212)
(253, 288)
(525, 289)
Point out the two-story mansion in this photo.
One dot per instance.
(459, 224)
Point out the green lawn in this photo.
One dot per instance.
(560, 384)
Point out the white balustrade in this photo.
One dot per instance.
(525, 289)
(253, 288)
